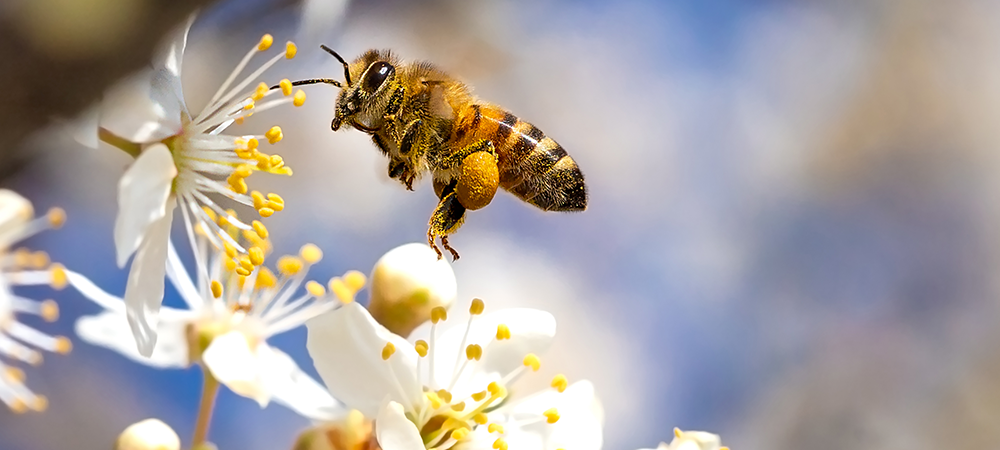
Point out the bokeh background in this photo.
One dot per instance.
(791, 238)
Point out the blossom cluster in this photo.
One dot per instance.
(396, 374)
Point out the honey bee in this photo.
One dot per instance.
(425, 120)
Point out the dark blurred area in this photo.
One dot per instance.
(791, 238)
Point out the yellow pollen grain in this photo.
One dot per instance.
(259, 228)
(551, 415)
(259, 201)
(275, 202)
(445, 395)
(532, 360)
(438, 313)
(474, 351)
(256, 255)
(503, 332)
(265, 212)
(559, 382)
(57, 217)
(388, 350)
(421, 347)
(49, 311)
(316, 289)
(495, 428)
(290, 265)
(59, 277)
(265, 42)
(290, 50)
(355, 280)
(216, 289)
(299, 99)
(40, 403)
(286, 87)
(477, 306)
(480, 418)
(458, 407)
(62, 345)
(310, 253)
(274, 135)
(266, 278)
(460, 434)
(479, 396)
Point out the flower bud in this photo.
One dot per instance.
(406, 283)
(150, 434)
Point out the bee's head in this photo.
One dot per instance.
(367, 95)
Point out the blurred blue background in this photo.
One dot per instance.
(791, 237)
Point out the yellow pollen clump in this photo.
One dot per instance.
(310, 253)
(531, 360)
(62, 345)
(59, 277)
(289, 265)
(275, 202)
(216, 289)
(477, 307)
(265, 42)
(460, 434)
(260, 229)
(551, 415)
(559, 382)
(355, 280)
(260, 92)
(299, 99)
(479, 396)
(274, 135)
(49, 311)
(290, 50)
(500, 444)
(503, 332)
(473, 351)
(286, 87)
(256, 255)
(458, 407)
(340, 289)
(265, 278)
(495, 428)
(388, 350)
(445, 395)
(315, 289)
(438, 313)
(56, 217)
(421, 347)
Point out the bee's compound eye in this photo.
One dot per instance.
(377, 74)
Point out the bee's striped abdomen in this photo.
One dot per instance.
(532, 166)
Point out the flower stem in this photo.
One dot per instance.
(209, 390)
(128, 147)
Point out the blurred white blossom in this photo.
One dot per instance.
(692, 440)
(149, 434)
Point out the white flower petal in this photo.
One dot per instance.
(83, 128)
(346, 347)
(143, 108)
(394, 431)
(531, 331)
(110, 329)
(694, 440)
(236, 365)
(580, 423)
(144, 291)
(143, 193)
(292, 387)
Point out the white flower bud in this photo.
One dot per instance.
(406, 283)
(150, 434)
(693, 440)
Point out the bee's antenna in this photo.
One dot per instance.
(313, 81)
(347, 71)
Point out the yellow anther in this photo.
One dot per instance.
(249, 106)
(49, 310)
(460, 434)
(479, 396)
(340, 289)
(237, 184)
(242, 271)
(290, 50)
(239, 120)
(434, 399)
(260, 229)
(40, 260)
(477, 306)
(495, 389)
(245, 262)
(276, 162)
(559, 382)
(256, 255)
(438, 313)
(230, 265)
(316, 289)
(275, 202)
(266, 278)
(210, 214)
(243, 171)
(459, 407)
(444, 394)
(229, 249)
(265, 42)
(354, 280)
(216, 289)
(388, 350)
(274, 135)
(421, 347)
(500, 444)
(290, 265)
(252, 143)
(265, 212)
(59, 277)
(310, 253)
(259, 201)
(723, 448)
(531, 360)
(551, 415)
(480, 418)
(13, 374)
(286, 87)
(57, 217)
(40, 403)
(300, 98)
(62, 345)
(495, 428)
(503, 332)
(18, 406)
(22, 257)
(473, 351)
(260, 92)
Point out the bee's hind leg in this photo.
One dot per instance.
(446, 219)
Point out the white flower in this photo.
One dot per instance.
(451, 391)
(149, 434)
(181, 159)
(693, 440)
(18, 268)
(234, 305)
